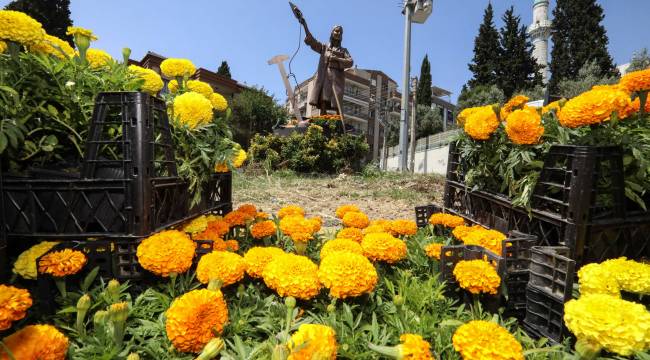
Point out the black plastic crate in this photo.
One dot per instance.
(552, 272)
(544, 316)
(423, 213)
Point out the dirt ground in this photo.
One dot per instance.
(388, 195)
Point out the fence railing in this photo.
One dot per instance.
(430, 142)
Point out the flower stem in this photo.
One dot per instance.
(60, 284)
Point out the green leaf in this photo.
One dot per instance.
(89, 279)
(3, 142)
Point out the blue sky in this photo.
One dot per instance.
(248, 33)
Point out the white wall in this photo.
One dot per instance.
(430, 161)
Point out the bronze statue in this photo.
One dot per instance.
(334, 59)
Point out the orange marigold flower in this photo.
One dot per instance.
(636, 105)
(555, 105)
(248, 209)
(355, 219)
(636, 81)
(262, 216)
(292, 275)
(195, 318)
(524, 126)
(350, 233)
(478, 340)
(446, 220)
(216, 230)
(482, 123)
(374, 229)
(263, 229)
(166, 252)
(414, 347)
(62, 263)
(228, 245)
(595, 106)
(383, 247)
(466, 113)
(313, 341)
(433, 250)
(347, 274)
(403, 227)
(477, 276)
(337, 245)
(35, 342)
(291, 210)
(489, 239)
(14, 303)
(222, 265)
(258, 257)
(316, 223)
(461, 231)
(297, 227)
(237, 218)
(517, 102)
(341, 210)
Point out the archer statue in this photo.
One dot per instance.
(330, 77)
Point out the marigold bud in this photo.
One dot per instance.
(211, 349)
(133, 356)
(84, 303)
(290, 302)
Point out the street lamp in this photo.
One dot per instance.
(414, 11)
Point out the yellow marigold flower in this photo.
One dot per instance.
(192, 109)
(239, 158)
(292, 275)
(200, 87)
(383, 247)
(219, 102)
(477, 276)
(263, 229)
(350, 233)
(461, 231)
(347, 274)
(524, 126)
(466, 113)
(14, 303)
(517, 102)
(403, 227)
(291, 210)
(166, 252)
(98, 59)
(636, 81)
(3, 46)
(52, 45)
(172, 86)
(336, 245)
(36, 342)
(311, 342)
(446, 220)
(433, 250)
(194, 318)
(258, 257)
(297, 227)
(177, 68)
(25, 265)
(152, 81)
(341, 210)
(489, 239)
(19, 27)
(197, 225)
(374, 229)
(555, 105)
(237, 218)
(79, 31)
(618, 326)
(62, 263)
(225, 266)
(482, 123)
(249, 209)
(414, 347)
(595, 106)
(596, 279)
(355, 219)
(481, 340)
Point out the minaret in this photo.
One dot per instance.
(540, 31)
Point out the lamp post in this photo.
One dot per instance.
(414, 11)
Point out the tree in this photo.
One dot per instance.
(578, 38)
(254, 111)
(479, 96)
(588, 76)
(424, 85)
(640, 61)
(484, 65)
(54, 15)
(224, 69)
(429, 121)
(517, 68)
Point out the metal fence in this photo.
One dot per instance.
(434, 141)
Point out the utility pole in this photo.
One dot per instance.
(279, 60)
(414, 11)
(414, 84)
